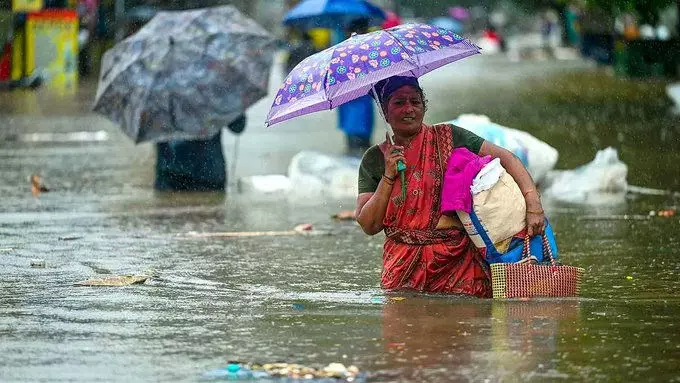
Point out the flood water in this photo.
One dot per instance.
(316, 299)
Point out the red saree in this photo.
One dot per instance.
(417, 255)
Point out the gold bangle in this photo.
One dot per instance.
(388, 180)
(535, 211)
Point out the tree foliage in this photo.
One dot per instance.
(647, 10)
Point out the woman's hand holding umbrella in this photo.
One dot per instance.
(395, 162)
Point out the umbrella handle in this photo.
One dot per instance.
(402, 174)
(401, 168)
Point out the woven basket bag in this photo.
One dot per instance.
(527, 280)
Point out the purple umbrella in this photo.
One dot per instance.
(349, 70)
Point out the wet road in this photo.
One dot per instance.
(316, 299)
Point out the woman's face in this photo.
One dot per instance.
(405, 110)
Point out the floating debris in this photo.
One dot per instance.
(236, 234)
(84, 136)
(662, 213)
(334, 372)
(114, 280)
(302, 229)
(623, 217)
(650, 191)
(345, 215)
(38, 264)
(36, 185)
(70, 238)
(6, 249)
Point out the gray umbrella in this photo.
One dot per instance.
(185, 74)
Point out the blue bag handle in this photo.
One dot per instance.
(514, 254)
(490, 247)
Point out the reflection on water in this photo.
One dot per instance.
(443, 339)
(316, 299)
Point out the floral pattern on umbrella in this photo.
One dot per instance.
(348, 70)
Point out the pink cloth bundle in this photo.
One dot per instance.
(461, 169)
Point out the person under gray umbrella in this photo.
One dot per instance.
(193, 165)
(179, 81)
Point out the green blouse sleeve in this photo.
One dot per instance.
(371, 170)
(467, 139)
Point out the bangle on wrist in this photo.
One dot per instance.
(390, 178)
(535, 211)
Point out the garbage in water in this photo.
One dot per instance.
(601, 181)
(36, 185)
(673, 91)
(38, 264)
(651, 191)
(662, 213)
(333, 372)
(345, 215)
(317, 174)
(114, 280)
(620, 217)
(6, 249)
(310, 175)
(267, 184)
(70, 238)
(537, 156)
(301, 229)
(83, 136)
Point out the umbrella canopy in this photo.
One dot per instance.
(185, 74)
(332, 13)
(349, 70)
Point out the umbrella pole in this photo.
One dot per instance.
(388, 128)
(234, 158)
(401, 167)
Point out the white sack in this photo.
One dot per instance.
(313, 174)
(601, 181)
(673, 92)
(265, 184)
(537, 156)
